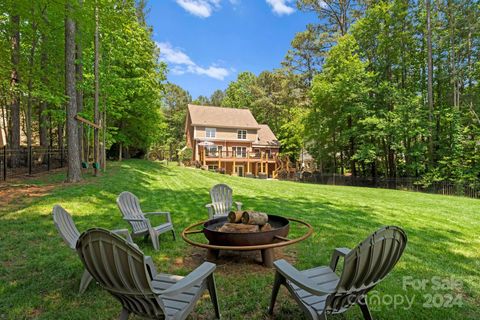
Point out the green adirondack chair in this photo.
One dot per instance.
(320, 292)
(129, 276)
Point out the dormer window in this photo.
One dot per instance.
(210, 132)
(242, 134)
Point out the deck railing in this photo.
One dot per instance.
(237, 154)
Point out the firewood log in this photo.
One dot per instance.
(252, 217)
(238, 228)
(235, 216)
(266, 227)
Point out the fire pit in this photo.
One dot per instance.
(265, 241)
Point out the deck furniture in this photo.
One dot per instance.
(320, 292)
(132, 279)
(222, 201)
(129, 205)
(69, 232)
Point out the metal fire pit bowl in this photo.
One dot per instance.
(280, 228)
(264, 241)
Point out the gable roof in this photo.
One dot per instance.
(221, 117)
(266, 137)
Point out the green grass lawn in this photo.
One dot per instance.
(39, 275)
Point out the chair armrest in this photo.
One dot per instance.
(210, 210)
(293, 275)
(140, 219)
(166, 214)
(239, 205)
(337, 253)
(196, 276)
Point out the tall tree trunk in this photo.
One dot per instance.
(14, 80)
(353, 165)
(429, 79)
(31, 62)
(96, 147)
(74, 165)
(79, 80)
(42, 117)
(453, 76)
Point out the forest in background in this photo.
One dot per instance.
(371, 88)
(376, 89)
(95, 59)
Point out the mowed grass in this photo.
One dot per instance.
(39, 275)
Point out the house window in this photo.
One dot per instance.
(239, 152)
(210, 151)
(242, 134)
(212, 167)
(210, 132)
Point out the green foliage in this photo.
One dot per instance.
(130, 75)
(369, 113)
(174, 105)
(238, 93)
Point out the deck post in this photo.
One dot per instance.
(266, 163)
(204, 154)
(234, 169)
(248, 162)
(261, 161)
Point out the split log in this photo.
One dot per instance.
(238, 228)
(235, 216)
(266, 227)
(252, 217)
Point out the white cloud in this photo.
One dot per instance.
(212, 72)
(280, 7)
(181, 63)
(199, 8)
(173, 55)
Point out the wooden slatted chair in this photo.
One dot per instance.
(132, 279)
(222, 201)
(129, 206)
(68, 231)
(320, 292)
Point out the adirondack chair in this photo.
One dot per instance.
(320, 292)
(132, 279)
(69, 232)
(129, 205)
(222, 202)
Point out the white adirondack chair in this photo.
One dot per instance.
(68, 231)
(222, 201)
(131, 278)
(320, 292)
(129, 205)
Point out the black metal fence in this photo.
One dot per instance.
(27, 161)
(410, 184)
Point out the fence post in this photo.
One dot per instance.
(30, 160)
(48, 158)
(4, 163)
(61, 157)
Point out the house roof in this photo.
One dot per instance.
(221, 117)
(266, 137)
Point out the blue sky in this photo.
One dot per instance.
(206, 43)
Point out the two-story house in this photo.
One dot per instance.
(231, 141)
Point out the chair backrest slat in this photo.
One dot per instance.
(222, 200)
(65, 226)
(121, 270)
(366, 265)
(129, 205)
